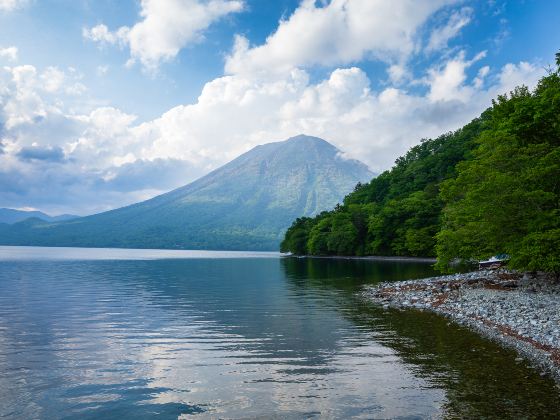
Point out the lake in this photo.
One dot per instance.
(133, 334)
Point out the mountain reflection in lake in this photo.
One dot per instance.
(239, 336)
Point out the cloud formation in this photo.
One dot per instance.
(338, 33)
(9, 53)
(63, 158)
(166, 26)
(441, 35)
(10, 5)
(105, 158)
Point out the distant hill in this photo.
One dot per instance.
(245, 204)
(11, 216)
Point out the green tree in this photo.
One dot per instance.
(539, 251)
(342, 238)
(506, 198)
(491, 187)
(317, 243)
(295, 239)
(398, 212)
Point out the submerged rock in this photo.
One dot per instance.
(518, 310)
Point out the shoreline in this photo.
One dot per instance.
(516, 310)
(368, 258)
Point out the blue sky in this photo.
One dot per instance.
(49, 33)
(132, 98)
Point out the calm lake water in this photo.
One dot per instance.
(132, 334)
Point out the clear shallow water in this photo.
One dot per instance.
(237, 336)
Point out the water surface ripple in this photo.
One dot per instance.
(174, 334)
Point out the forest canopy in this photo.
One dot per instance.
(488, 188)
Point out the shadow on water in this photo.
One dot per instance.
(242, 337)
(480, 378)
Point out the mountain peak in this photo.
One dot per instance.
(304, 138)
(246, 204)
(301, 141)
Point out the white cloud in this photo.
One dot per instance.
(10, 5)
(52, 79)
(9, 53)
(479, 79)
(58, 161)
(398, 73)
(441, 36)
(341, 32)
(519, 74)
(61, 160)
(28, 95)
(102, 70)
(448, 82)
(166, 27)
(101, 34)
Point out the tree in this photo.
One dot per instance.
(342, 238)
(296, 237)
(398, 212)
(539, 251)
(506, 198)
(491, 187)
(317, 243)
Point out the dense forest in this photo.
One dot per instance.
(490, 187)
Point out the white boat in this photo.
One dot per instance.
(493, 262)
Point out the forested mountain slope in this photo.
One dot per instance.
(491, 187)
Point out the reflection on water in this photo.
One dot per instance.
(240, 337)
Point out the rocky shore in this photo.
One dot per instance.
(366, 257)
(521, 311)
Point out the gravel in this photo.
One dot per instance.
(518, 310)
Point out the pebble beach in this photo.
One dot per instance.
(519, 310)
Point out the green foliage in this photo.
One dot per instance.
(317, 243)
(343, 235)
(539, 251)
(295, 240)
(397, 213)
(506, 197)
(491, 187)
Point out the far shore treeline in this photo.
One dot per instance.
(488, 188)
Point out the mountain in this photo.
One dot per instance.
(245, 204)
(11, 216)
